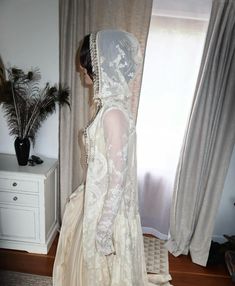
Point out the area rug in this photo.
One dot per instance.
(156, 256)
(11, 278)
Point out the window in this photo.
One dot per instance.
(172, 63)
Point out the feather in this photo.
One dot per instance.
(25, 105)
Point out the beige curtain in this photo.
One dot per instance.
(78, 18)
(208, 141)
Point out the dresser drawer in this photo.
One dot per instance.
(19, 199)
(19, 185)
(18, 223)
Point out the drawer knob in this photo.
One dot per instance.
(14, 184)
(15, 198)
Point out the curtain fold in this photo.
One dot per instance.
(208, 142)
(78, 18)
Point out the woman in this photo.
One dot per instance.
(101, 241)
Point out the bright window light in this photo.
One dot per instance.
(172, 62)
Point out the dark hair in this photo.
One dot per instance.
(85, 56)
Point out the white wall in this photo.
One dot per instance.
(29, 32)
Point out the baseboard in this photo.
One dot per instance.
(155, 232)
(150, 230)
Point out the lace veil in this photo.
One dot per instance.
(116, 58)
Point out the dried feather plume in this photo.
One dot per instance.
(25, 105)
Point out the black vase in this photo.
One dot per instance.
(22, 147)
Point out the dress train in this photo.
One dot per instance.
(69, 269)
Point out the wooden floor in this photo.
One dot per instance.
(182, 270)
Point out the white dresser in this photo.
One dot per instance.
(28, 204)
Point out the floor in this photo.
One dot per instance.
(182, 270)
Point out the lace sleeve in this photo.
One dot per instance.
(116, 138)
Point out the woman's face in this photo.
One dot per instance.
(85, 76)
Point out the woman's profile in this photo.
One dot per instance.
(101, 242)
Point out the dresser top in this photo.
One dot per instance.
(8, 163)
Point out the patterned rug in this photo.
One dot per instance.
(155, 253)
(11, 278)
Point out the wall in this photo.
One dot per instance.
(29, 32)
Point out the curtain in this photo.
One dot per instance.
(208, 141)
(172, 63)
(78, 18)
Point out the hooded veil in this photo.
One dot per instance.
(116, 58)
(101, 242)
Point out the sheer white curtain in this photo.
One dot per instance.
(172, 63)
(208, 142)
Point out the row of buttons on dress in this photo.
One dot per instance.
(89, 144)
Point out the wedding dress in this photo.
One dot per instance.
(101, 242)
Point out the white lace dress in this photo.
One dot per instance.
(101, 242)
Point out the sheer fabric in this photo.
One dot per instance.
(116, 140)
(208, 141)
(172, 62)
(111, 235)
